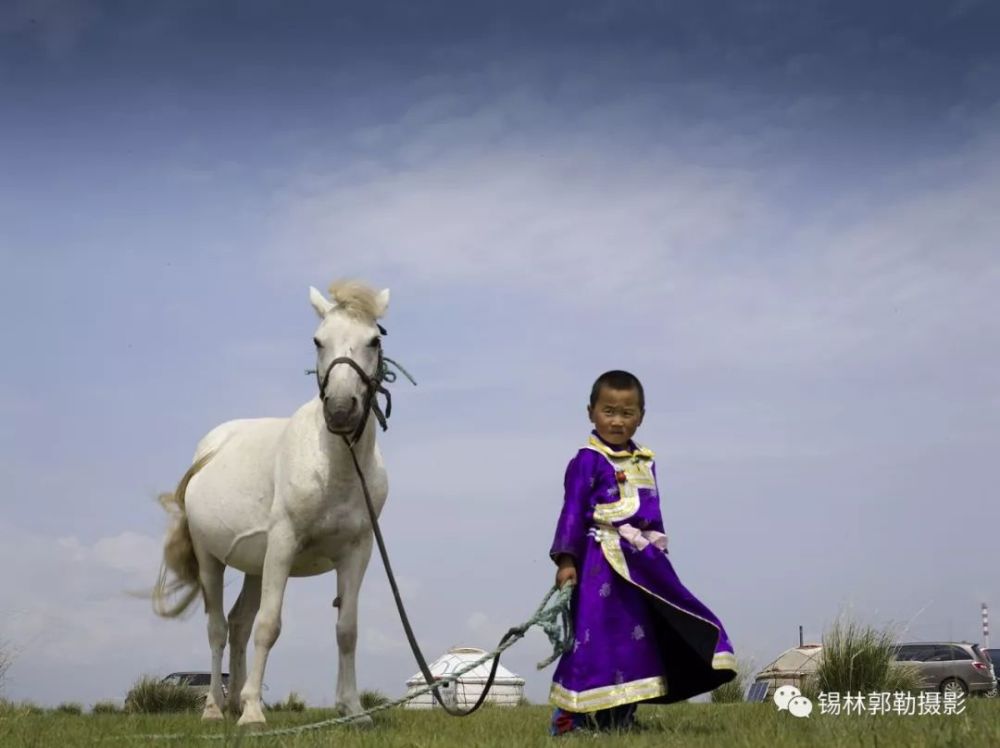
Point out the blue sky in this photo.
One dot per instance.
(781, 216)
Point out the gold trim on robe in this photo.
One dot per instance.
(637, 468)
(606, 697)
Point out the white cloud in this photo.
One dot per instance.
(127, 552)
(71, 616)
(709, 264)
(376, 642)
(837, 330)
(486, 629)
(532, 223)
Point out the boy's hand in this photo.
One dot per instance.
(565, 576)
(567, 571)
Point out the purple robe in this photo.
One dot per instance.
(640, 635)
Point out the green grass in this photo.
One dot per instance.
(10, 709)
(688, 725)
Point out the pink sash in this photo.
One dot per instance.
(641, 538)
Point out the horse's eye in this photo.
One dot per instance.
(374, 342)
(317, 342)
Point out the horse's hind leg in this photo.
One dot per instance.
(350, 572)
(240, 626)
(211, 572)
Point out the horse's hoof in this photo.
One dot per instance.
(253, 716)
(212, 713)
(362, 723)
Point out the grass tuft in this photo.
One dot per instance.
(371, 698)
(105, 707)
(151, 696)
(859, 658)
(292, 703)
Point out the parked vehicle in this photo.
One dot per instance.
(956, 667)
(994, 655)
(197, 681)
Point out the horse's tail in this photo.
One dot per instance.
(179, 559)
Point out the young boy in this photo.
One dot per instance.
(640, 635)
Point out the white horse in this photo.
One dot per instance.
(279, 497)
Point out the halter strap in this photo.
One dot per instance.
(373, 386)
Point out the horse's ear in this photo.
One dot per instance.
(381, 302)
(319, 303)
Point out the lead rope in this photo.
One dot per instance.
(513, 633)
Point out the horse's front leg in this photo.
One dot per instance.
(281, 549)
(350, 572)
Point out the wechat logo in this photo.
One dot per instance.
(791, 699)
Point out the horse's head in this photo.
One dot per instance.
(348, 351)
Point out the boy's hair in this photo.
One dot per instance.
(618, 380)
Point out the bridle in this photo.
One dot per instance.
(373, 388)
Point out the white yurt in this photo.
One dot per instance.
(507, 690)
(791, 668)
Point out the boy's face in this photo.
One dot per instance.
(616, 415)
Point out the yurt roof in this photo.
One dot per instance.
(803, 659)
(458, 657)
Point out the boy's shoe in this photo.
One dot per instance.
(564, 722)
(616, 719)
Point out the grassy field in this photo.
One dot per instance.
(689, 725)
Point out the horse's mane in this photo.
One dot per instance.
(356, 298)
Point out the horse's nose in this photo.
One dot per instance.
(340, 410)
